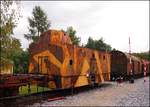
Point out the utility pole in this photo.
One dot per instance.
(131, 72)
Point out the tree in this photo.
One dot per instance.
(21, 62)
(98, 44)
(9, 17)
(8, 21)
(14, 48)
(38, 24)
(90, 43)
(72, 34)
(114, 49)
(143, 55)
(25, 59)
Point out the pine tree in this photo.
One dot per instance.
(72, 34)
(38, 24)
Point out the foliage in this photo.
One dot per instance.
(21, 62)
(90, 43)
(38, 24)
(9, 16)
(114, 49)
(98, 44)
(72, 34)
(143, 55)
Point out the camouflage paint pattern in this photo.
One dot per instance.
(67, 65)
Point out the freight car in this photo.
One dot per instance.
(120, 65)
(67, 65)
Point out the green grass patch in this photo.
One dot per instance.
(24, 89)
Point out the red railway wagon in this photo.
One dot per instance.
(120, 65)
(9, 84)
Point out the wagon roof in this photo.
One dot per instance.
(132, 57)
(128, 55)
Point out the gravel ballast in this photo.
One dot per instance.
(124, 94)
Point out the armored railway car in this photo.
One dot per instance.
(67, 65)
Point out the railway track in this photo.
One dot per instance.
(25, 100)
(29, 99)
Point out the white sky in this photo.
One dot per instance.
(115, 21)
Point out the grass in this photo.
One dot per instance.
(24, 89)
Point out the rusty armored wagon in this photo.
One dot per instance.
(67, 65)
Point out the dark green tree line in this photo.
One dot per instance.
(98, 45)
(143, 55)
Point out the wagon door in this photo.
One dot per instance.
(133, 68)
(42, 68)
(93, 69)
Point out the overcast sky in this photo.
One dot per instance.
(115, 21)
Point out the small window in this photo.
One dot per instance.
(71, 61)
(93, 55)
(46, 58)
(104, 57)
